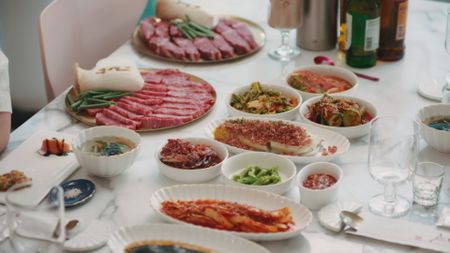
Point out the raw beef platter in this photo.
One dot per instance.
(168, 98)
(190, 42)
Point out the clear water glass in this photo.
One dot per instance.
(284, 15)
(35, 229)
(427, 183)
(393, 145)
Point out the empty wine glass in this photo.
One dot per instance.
(392, 155)
(35, 229)
(284, 15)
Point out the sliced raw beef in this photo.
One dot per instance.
(174, 32)
(165, 48)
(146, 101)
(102, 119)
(162, 30)
(135, 107)
(93, 111)
(183, 106)
(207, 49)
(151, 78)
(243, 30)
(160, 121)
(126, 113)
(175, 80)
(191, 51)
(177, 112)
(123, 120)
(155, 87)
(223, 46)
(231, 36)
(146, 29)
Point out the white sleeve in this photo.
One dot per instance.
(5, 98)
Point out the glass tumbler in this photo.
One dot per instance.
(427, 183)
(35, 229)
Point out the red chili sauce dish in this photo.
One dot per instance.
(319, 181)
(186, 155)
(311, 82)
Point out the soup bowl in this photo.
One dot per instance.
(106, 166)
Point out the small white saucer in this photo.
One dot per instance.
(431, 90)
(93, 237)
(329, 215)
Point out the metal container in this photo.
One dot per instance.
(318, 28)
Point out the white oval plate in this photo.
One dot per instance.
(329, 138)
(206, 238)
(260, 199)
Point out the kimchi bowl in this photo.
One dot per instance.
(350, 132)
(321, 79)
(193, 175)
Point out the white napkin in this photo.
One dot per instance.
(37, 225)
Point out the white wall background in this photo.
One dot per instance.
(19, 41)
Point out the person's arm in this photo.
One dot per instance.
(5, 128)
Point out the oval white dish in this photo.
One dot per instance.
(329, 138)
(215, 240)
(260, 199)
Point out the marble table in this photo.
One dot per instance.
(124, 199)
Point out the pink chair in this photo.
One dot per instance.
(82, 31)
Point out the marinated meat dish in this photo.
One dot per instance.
(229, 39)
(229, 216)
(169, 98)
(186, 155)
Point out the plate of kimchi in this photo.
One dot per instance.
(251, 214)
(299, 142)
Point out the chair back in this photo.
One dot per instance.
(82, 31)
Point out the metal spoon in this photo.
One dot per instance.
(350, 220)
(326, 60)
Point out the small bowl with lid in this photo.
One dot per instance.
(318, 184)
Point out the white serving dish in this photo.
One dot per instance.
(285, 91)
(327, 70)
(216, 241)
(194, 175)
(237, 163)
(260, 199)
(316, 199)
(44, 171)
(437, 139)
(106, 166)
(349, 132)
(329, 138)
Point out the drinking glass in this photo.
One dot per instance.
(284, 15)
(392, 154)
(35, 229)
(427, 183)
(446, 89)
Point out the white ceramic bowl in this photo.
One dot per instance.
(106, 166)
(438, 139)
(316, 199)
(194, 175)
(327, 70)
(286, 170)
(285, 91)
(349, 132)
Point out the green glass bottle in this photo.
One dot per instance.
(363, 31)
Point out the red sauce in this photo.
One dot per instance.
(316, 83)
(319, 181)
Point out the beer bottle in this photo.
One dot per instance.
(363, 30)
(392, 29)
(342, 24)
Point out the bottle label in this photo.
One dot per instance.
(372, 34)
(348, 35)
(401, 21)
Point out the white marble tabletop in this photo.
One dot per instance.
(126, 197)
